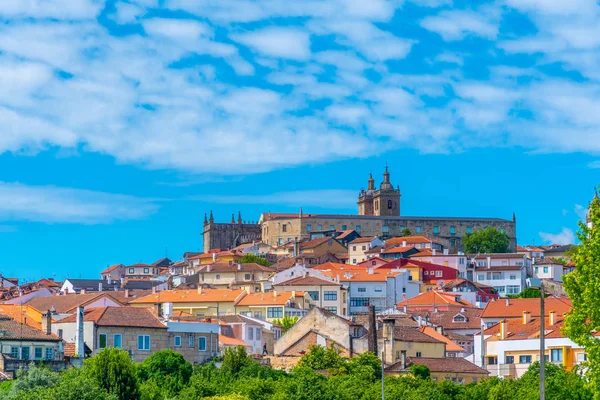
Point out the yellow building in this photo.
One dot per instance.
(249, 276)
(202, 302)
(230, 256)
(274, 305)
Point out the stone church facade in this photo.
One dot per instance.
(378, 215)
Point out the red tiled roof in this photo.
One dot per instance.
(307, 281)
(450, 345)
(455, 365)
(134, 317)
(418, 239)
(433, 297)
(192, 296)
(112, 268)
(365, 239)
(268, 298)
(395, 250)
(513, 308)
(517, 330)
(445, 318)
(221, 266)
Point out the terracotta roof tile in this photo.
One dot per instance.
(15, 330)
(66, 303)
(450, 345)
(266, 299)
(221, 266)
(378, 275)
(135, 317)
(307, 281)
(112, 268)
(400, 249)
(450, 365)
(229, 341)
(434, 297)
(513, 308)
(446, 318)
(408, 239)
(364, 239)
(192, 296)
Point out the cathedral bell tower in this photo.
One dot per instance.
(384, 201)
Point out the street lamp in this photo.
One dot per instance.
(539, 284)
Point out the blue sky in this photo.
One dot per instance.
(123, 122)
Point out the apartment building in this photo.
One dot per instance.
(358, 247)
(324, 293)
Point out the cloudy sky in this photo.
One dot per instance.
(123, 122)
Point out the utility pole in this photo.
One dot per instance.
(542, 343)
(382, 371)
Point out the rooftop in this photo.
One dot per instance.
(513, 308)
(13, 330)
(307, 281)
(192, 296)
(433, 298)
(450, 345)
(450, 365)
(266, 299)
(133, 317)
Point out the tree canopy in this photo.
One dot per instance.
(488, 240)
(583, 287)
(287, 322)
(252, 258)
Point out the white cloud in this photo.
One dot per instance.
(52, 204)
(177, 29)
(59, 9)
(328, 198)
(278, 42)
(456, 24)
(565, 236)
(581, 212)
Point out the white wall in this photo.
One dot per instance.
(486, 276)
(554, 272)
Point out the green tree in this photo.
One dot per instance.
(583, 287)
(112, 370)
(488, 240)
(527, 293)
(405, 232)
(287, 322)
(166, 370)
(235, 360)
(252, 258)
(321, 358)
(420, 371)
(35, 377)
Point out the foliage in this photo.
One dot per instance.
(527, 293)
(287, 322)
(252, 258)
(235, 359)
(583, 287)
(321, 358)
(166, 370)
(35, 377)
(112, 370)
(405, 232)
(488, 240)
(420, 371)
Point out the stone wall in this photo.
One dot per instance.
(227, 236)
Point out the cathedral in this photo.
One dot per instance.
(378, 215)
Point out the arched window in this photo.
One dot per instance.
(390, 204)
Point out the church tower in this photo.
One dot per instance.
(386, 200)
(365, 198)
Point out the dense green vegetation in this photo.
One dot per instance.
(488, 240)
(252, 258)
(321, 374)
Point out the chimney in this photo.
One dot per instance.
(337, 278)
(82, 291)
(370, 270)
(446, 252)
(214, 257)
(293, 294)
(526, 317)
(503, 329)
(208, 268)
(274, 293)
(507, 302)
(122, 282)
(153, 289)
(109, 279)
(462, 309)
(388, 328)
(126, 293)
(199, 289)
(440, 329)
(239, 267)
(404, 243)
(552, 319)
(433, 251)
(47, 322)
(79, 338)
(435, 309)
(489, 262)
(99, 286)
(405, 309)
(230, 263)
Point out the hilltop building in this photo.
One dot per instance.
(378, 215)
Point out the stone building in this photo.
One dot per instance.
(228, 235)
(378, 215)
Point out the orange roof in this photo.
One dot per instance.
(266, 299)
(338, 267)
(112, 268)
(434, 297)
(513, 308)
(517, 330)
(450, 345)
(399, 249)
(365, 239)
(228, 253)
(378, 275)
(374, 259)
(118, 316)
(192, 296)
(229, 341)
(423, 253)
(408, 239)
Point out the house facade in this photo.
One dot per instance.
(358, 247)
(324, 293)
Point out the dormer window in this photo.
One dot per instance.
(459, 318)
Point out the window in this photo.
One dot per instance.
(357, 229)
(37, 353)
(354, 261)
(362, 289)
(500, 289)
(280, 241)
(49, 353)
(537, 270)
(581, 357)
(332, 227)
(452, 242)
(250, 333)
(418, 229)
(131, 270)
(364, 248)
(177, 341)
(146, 270)
(436, 230)
(258, 314)
(25, 353)
(481, 277)
(247, 277)
(218, 276)
(509, 359)
(502, 230)
(419, 354)
(102, 341)
(331, 309)
(319, 227)
(378, 289)
(438, 273)
(556, 355)
(524, 359)
(492, 360)
(545, 270)
(284, 228)
(359, 302)
(191, 341)
(344, 227)
(469, 230)
(314, 294)
(461, 261)
(143, 342)
(330, 295)
(274, 312)
(373, 262)
(60, 333)
(385, 229)
(353, 248)
(458, 318)
(308, 228)
(496, 276)
(117, 341)
(513, 289)
(201, 343)
(453, 230)
(14, 352)
(390, 204)
(513, 277)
